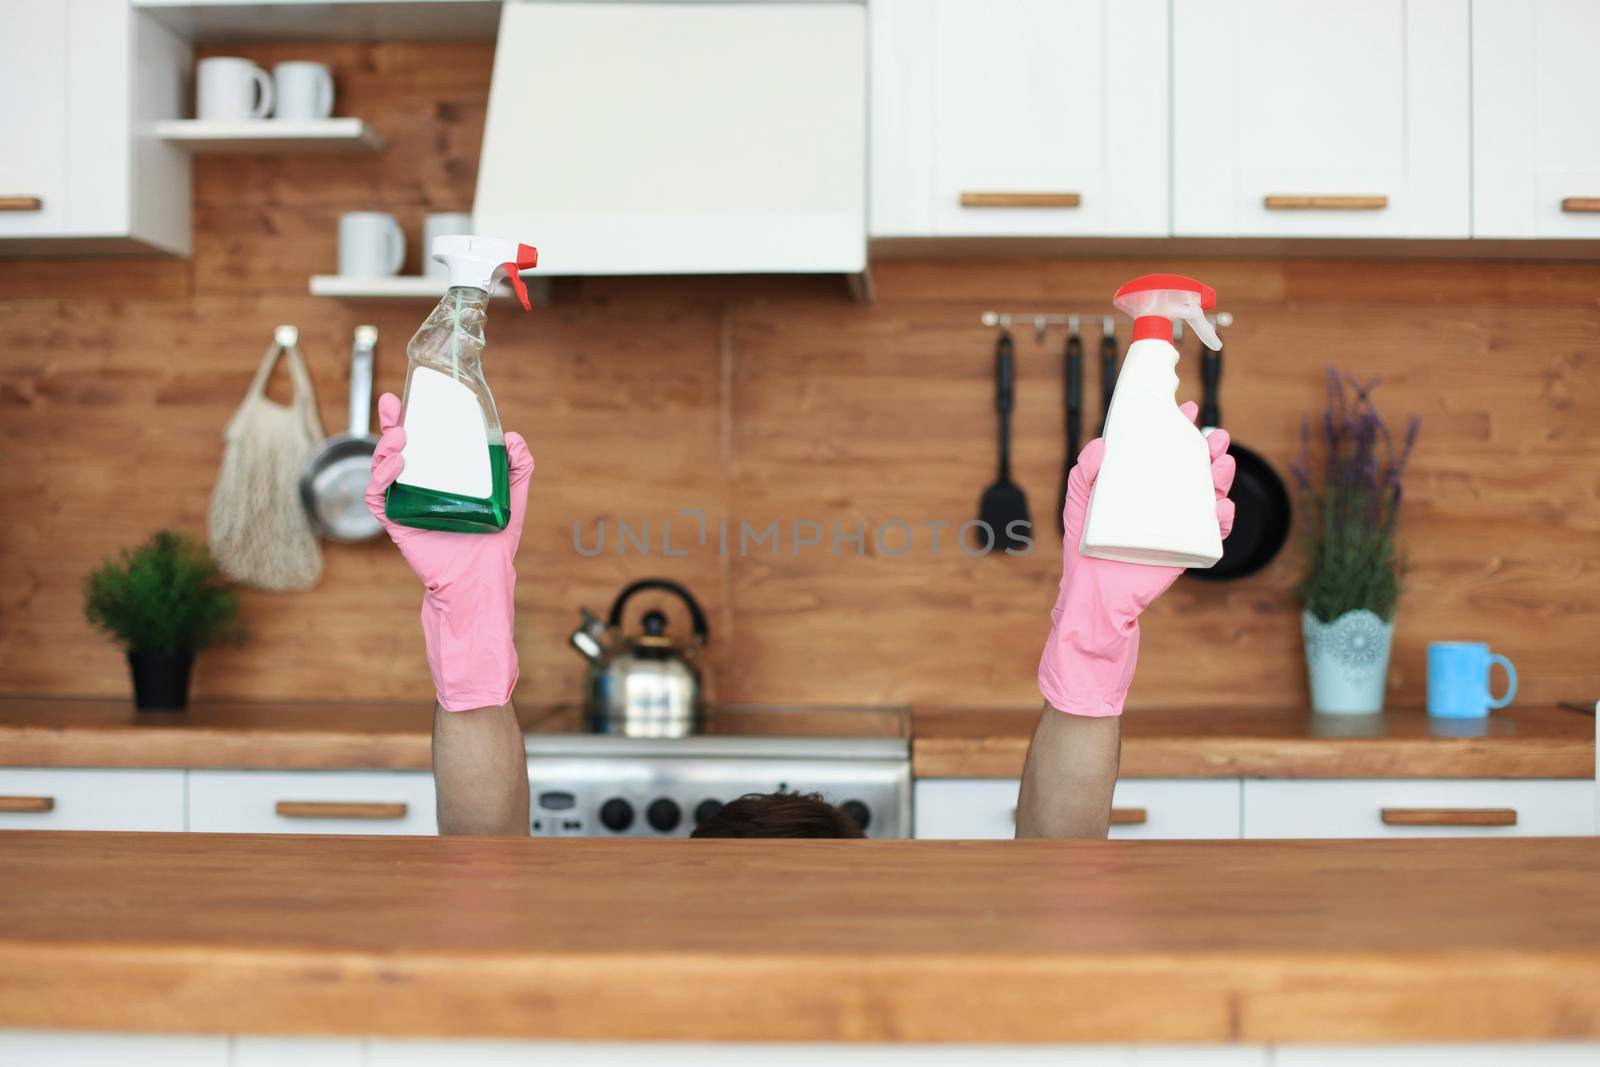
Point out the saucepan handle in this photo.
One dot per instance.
(361, 352)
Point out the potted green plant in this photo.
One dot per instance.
(1354, 565)
(164, 601)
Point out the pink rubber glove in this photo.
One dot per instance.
(1088, 662)
(468, 606)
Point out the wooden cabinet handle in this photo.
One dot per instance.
(1581, 205)
(339, 809)
(1449, 816)
(1021, 200)
(21, 203)
(1326, 203)
(27, 805)
(1119, 816)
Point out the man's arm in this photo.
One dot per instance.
(1069, 774)
(480, 772)
(1089, 661)
(468, 613)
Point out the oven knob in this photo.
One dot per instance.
(705, 810)
(663, 815)
(858, 812)
(616, 815)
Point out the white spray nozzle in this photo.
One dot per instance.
(479, 262)
(1204, 330)
(1170, 297)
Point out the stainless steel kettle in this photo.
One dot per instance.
(644, 685)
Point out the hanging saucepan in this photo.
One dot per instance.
(333, 482)
(1260, 499)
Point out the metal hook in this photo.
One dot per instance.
(1039, 324)
(286, 336)
(1072, 325)
(1109, 326)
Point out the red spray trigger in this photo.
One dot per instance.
(527, 257)
(517, 287)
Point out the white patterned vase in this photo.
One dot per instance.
(1347, 661)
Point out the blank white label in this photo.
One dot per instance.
(447, 439)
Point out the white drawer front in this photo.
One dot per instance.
(978, 808)
(964, 808)
(1418, 808)
(1175, 808)
(65, 1048)
(312, 802)
(51, 798)
(300, 1052)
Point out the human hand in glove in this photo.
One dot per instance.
(1089, 659)
(469, 580)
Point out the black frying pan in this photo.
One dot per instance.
(1260, 499)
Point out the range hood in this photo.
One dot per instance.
(678, 138)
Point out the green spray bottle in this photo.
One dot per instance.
(455, 476)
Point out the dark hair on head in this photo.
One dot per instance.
(779, 815)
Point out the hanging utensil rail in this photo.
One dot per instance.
(1108, 323)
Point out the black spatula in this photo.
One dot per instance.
(1004, 505)
(1074, 427)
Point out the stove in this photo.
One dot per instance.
(602, 785)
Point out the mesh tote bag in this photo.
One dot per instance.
(259, 532)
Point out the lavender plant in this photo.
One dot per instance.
(1351, 518)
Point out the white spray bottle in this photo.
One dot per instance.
(1153, 501)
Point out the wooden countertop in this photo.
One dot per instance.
(947, 742)
(51, 732)
(1522, 742)
(1252, 941)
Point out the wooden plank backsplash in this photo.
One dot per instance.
(763, 400)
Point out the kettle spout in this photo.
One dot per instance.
(586, 638)
(586, 645)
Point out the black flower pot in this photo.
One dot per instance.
(160, 680)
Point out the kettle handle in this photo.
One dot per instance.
(701, 631)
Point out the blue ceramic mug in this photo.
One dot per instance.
(1458, 679)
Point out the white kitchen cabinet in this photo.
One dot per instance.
(1418, 807)
(82, 82)
(365, 21)
(62, 798)
(980, 808)
(33, 122)
(298, 1051)
(70, 1048)
(1455, 1054)
(1300, 118)
(312, 802)
(1019, 118)
(650, 138)
(1536, 140)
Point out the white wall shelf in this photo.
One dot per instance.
(410, 287)
(269, 136)
(221, 21)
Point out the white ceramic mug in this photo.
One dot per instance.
(371, 244)
(441, 224)
(304, 90)
(230, 88)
